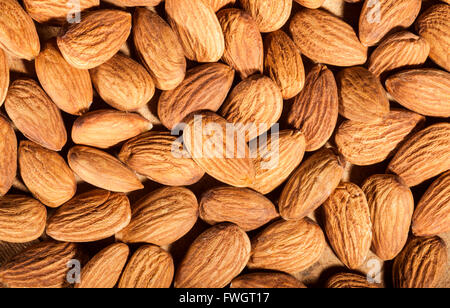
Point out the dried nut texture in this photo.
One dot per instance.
(43, 265)
(22, 219)
(270, 15)
(55, 11)
(288, 246)
(391, 206)
(106, 128)
(378, 19)
(96, 39)
(421, 264)
(348, 225)
(162, 217)
(311, 184)
(100, 169)
(424, 155)
(324, 38)
(266, 281)
(425, 91)
(362, 98)
(46, 174)
(215, 264)
(35, 115)
(135, 2)
(315, 110)
(201, 37)
(18, 35)
(275, 159)
(4, 76)
(399, 50)
(284, 63)
(159, 49)
(432, 214)
(434, 26)
(350, 281)
(90, 217)
(205, 88)
(104, 269)
(366, 144)
(253, 106)
(123, 83)
(8, 156)
(218, 4)
(149, 267)
(161, 157)
(244, 207)
(312, 4)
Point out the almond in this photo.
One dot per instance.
(4, 76)
(56, 11)
(218, 4)
(135, 2)
(266, 281)
(8, 156)
(270, 15)
(311, 4)
(349, 281)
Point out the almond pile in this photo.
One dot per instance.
(216, 143)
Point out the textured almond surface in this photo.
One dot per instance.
(135, 2)
(218, 4)
(8, 156)
(267, 280)
(55, 11)
(270, 15)
(349, 281)
(312, 4)
(4, 76)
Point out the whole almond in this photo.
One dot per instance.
(349, 281)
(312, 4)
(4, 76)
(270, 15)
(8, 155)
(218, 4)
(266, 281)
(55, 11)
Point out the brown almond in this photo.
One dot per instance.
(130, 3)
(8, 156)
(349, 281)
(312, 4)
(56, 11)
(270, 15)
(4, 76)
(218, 4)
(266, 281)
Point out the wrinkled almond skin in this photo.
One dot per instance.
(266, 281)
(311, 184)
(311, 4)
(22, 219)
(90, 217)
(218, 4)
(391, 206)
(423, 156)
(349, 281)
(96, 39)
(4, 76)
(55, 11)
(270, 15)
(288, 246)
(8, 155)
(421, 264)
(46, 174)
(244, 207)
(162, 217)
(130, 3)
(149, 267)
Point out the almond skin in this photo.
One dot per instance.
(128, 3)
(106, 128)
(425, 91)
(8, 156)
(311, 4)
(218, 4)
(162, 217)
(90, 217)
(22, 219)
(349, 281)
(35, 115)
(214, 265)
(244, 207)
(46, 174)
(270, 15)
(4, 76)
(96, 39)
(266, 281)
(288, 246)
(55, 11)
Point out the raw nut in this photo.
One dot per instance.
(366, 144)
(421, 264)
(266, 281)
(275, 159)
(270, 15)
(311, 184)
(159, 49)
(149, 267)
(324, 38)
(96, 39)
(205, 88)
(399, 50)
(289, 246)
(4, 76)
(161, 157)
(106, 128)
(201, 37)
(391, 206)
(46, 174)
(102, 170)
(244, 50)
(362, 98)
(432, 214)
(349, 281)
(284, 63)
(315, 110)
(22, 219)
(218, 4)
(425, 91)
(56, 11)
(90, 217)
(128, 3)
(311, 4)
(18, 35)
(161, 217)
(215, 264)
(244, 207)
(123, 83)
(8, 155)
(383, 16)
(104, 269)
(35, 114)
(253, 106)
(423, 156)
(348, 225)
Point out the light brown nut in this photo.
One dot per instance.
(4, 76)
(266, 281)
(218, 4)
(311, 4)
(8, 156)
(128, 3)
(350, 281)
(270, 15)
(55, 11)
